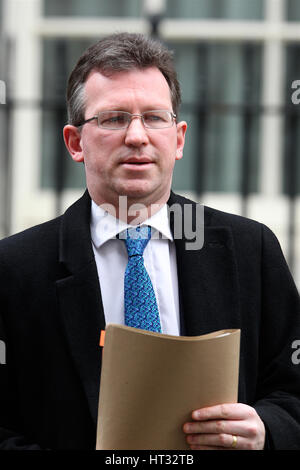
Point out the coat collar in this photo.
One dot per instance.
(75, 248)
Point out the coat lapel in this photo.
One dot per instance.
(80, 300)
(207, 277)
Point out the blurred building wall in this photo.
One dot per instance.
(238, 64)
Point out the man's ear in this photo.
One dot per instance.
(181, 130)
(72, 138)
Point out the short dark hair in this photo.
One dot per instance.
(116, 53)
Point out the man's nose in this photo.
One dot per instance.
(136, 134)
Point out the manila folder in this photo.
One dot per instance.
(151, 382)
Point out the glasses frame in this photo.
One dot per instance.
(173, 117)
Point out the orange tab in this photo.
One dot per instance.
(102, 337)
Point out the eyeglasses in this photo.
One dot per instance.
(115, 120)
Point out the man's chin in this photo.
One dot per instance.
(139, 192)
(139, 199)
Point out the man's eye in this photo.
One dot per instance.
(117, 119)
(153, 117)
(110, 120)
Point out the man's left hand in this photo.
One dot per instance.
(227, 426)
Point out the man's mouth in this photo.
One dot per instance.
(141, 159)
(134, 162)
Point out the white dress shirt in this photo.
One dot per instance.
(159, 258)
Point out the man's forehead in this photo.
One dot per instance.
(109, 84)
(116, 75)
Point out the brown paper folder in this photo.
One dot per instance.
(151, 382)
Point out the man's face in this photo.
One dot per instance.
(135, 162)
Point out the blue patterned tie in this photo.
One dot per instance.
(140, 303)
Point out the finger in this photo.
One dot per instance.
(216, 427)
(219, 441)
(224, 411)
(211, 440)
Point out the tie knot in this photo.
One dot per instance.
(136, 240)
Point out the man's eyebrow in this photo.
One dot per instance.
(112, 108)
(126, 109)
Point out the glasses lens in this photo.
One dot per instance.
(122, 119)
(113, 119)
(158, 119)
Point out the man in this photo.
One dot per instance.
(62, 281)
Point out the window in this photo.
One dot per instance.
(293, 10)
(221, 92)
(214, 9)
(58, 170)
(92, 8)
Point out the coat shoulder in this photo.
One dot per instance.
(32, 238)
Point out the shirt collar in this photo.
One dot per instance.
(105, 226)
